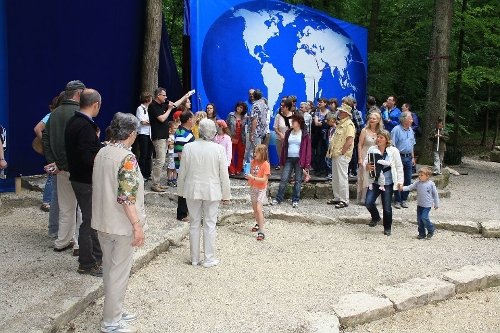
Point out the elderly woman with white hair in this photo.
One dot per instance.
(119, 216)
(204, 181)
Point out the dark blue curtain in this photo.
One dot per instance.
(48, 43)
(168, 77)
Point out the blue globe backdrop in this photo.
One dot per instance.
(282, 50)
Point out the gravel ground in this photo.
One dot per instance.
(279, 284)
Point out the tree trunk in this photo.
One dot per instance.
(458, 83)
(152, 40)
(437, 78)
(372, 30)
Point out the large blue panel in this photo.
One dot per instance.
(274, 46)
(52, 42)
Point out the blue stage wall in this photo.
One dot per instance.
(45, 44)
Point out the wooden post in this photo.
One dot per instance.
(18, 185)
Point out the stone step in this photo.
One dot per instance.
(417, 292)
(359, 308)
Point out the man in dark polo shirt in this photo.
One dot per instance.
(82, 145)
(159, 111)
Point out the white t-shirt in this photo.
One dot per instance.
(142, 115)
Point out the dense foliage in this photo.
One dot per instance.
(399, 39)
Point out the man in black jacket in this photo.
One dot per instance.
(82, 145)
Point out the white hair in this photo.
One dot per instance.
(206, 129)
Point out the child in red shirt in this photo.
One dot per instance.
(260, 169)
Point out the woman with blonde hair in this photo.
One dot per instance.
(367, 139)
(199, 116)
(393, 180)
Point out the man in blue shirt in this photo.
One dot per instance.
(390, 113)
(403, 139)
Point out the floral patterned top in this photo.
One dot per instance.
(128, 178)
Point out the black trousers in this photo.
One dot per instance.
(182, 208)
(90, 248)
(146, 149)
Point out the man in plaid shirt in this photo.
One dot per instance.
(357, 119)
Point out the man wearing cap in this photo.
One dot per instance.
(55, 153)
(340, 151)
(159, 111)
(403, 138)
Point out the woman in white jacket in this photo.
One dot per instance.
(204, 182)
(394, 177)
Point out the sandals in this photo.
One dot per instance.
(333, 202)
(307, 178)
(260, 236)
(255, 228)
(342, 205)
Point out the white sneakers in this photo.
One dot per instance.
(212, 263)
(119, 327)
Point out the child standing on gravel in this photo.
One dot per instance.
(260, 169)
(427, 196)
(171, 171)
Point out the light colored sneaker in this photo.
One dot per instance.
(120, 327)
(404, 205)
(195, 263)
(156, 188)
(275, 202)
(295, 204)
(212, 263)
(397, 205)
(128, 317)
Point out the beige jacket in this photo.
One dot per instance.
(107, 214)
(203, 173)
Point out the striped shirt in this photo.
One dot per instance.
(182, 137)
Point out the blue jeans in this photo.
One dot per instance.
(292, 163)
(402, 196)
(54, 210)
(423, 220)
(328, 164)
(372, 195)
(47, 191)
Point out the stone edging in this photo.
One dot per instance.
(360, 308)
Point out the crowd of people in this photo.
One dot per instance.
(95, 190)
